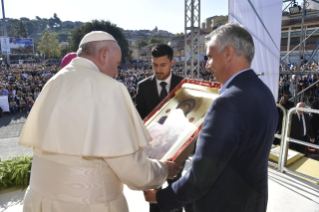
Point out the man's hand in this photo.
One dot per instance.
(312, 140)
(150, 195)
(173, 169)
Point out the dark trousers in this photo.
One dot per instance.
(298, 147)
(154, 207)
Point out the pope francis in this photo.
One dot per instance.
(88, 138)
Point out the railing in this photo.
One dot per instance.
(284, 146)
(280, 136)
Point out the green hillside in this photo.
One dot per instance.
(34, 28)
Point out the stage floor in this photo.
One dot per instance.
(286, 193)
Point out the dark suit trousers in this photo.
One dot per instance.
(154, 207)
(298, 147)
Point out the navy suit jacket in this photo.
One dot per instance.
(230, 165)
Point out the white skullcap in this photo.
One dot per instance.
(96, 36)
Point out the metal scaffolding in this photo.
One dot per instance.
(301, 46)
(192, 37)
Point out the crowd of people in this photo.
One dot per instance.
(19, 81)
(22, 83)
(303, 82)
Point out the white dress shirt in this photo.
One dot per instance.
(304, 123)
(168, 84)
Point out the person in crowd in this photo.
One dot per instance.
(315, 120)
(29, 105)
(13, 106)
(229, 170)
(285, 101)
(36, 93)
(67, 59)
(97, 142)
(20, 100)
(301, 129)
(3, 91)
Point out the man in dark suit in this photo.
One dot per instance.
(284, 101)
(151, 91)
(230, 165)
(315, 120)
(301, 129)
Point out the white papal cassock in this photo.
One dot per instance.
(87, 139)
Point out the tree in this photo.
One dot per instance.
(24, 19)
(57, 19)
(155, 40)
(49, 45)
(51, 22)
(22, 30)
(106, 26)
(179, 34)
(32, 26)
(44, 23)
(19, 30)
(141, 43)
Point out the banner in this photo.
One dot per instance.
(16, 46)
(4, 103)
(263, 20)
(20, 62)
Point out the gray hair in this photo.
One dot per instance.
(92, 48)
(233, 34)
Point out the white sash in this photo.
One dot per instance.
(77, 185)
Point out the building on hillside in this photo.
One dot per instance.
(175, 44)
(64, 44)
(218, 21)
(291, 31)
(135, 35)
(213, 22)
(145, 52)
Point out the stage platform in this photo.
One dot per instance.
(287, 193)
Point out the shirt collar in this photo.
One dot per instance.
(229, 80)
(168, 80)
(90, 61)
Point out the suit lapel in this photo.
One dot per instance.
(174, 82)
(154, 92)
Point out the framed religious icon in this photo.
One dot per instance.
(176, 122)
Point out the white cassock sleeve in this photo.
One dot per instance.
(137, 171)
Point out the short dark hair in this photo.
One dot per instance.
(161, 50)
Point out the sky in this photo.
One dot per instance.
(128, 14)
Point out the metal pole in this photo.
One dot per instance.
(185, 42)
(5, 28)
(198, 35)
(300, 44)
(192, 37)
(300, 49)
